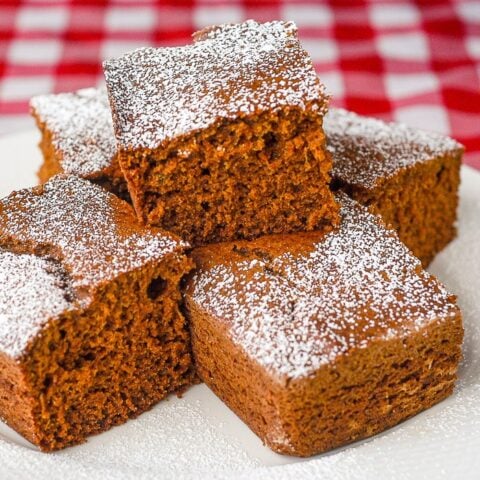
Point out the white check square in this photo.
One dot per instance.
(40, 52)
(404, 46)
(333, 82)
(469, 11)
(426, 117)
(395, 15)
(23, 88)
(137, 18)
(54, 18)
(308, 15)
(321, 50)
(472, 44)
(206, 15)
(403, 85)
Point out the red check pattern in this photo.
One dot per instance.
(413, 61)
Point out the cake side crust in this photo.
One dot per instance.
(98, 367)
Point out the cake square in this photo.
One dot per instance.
(91, 332)
(77, 138)
(317, 340)
(223, 139)
(408, 176)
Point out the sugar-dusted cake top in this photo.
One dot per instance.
(94, 235)
(229, 71)
(295, 303)
(81, 128)
(32, 291)
(367, 151)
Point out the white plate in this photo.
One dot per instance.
(197, 436)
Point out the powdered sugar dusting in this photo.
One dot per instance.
(300, 310)
(366, 150)
(230, 71)
(81, 127)
(33, 290)
(93, 234)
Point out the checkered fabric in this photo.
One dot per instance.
(414, 61)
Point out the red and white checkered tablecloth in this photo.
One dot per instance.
(414, 61)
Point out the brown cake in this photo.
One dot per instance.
(90, 328)
(318, 340)
(409, 176)
(223, 139)
(77, 138)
